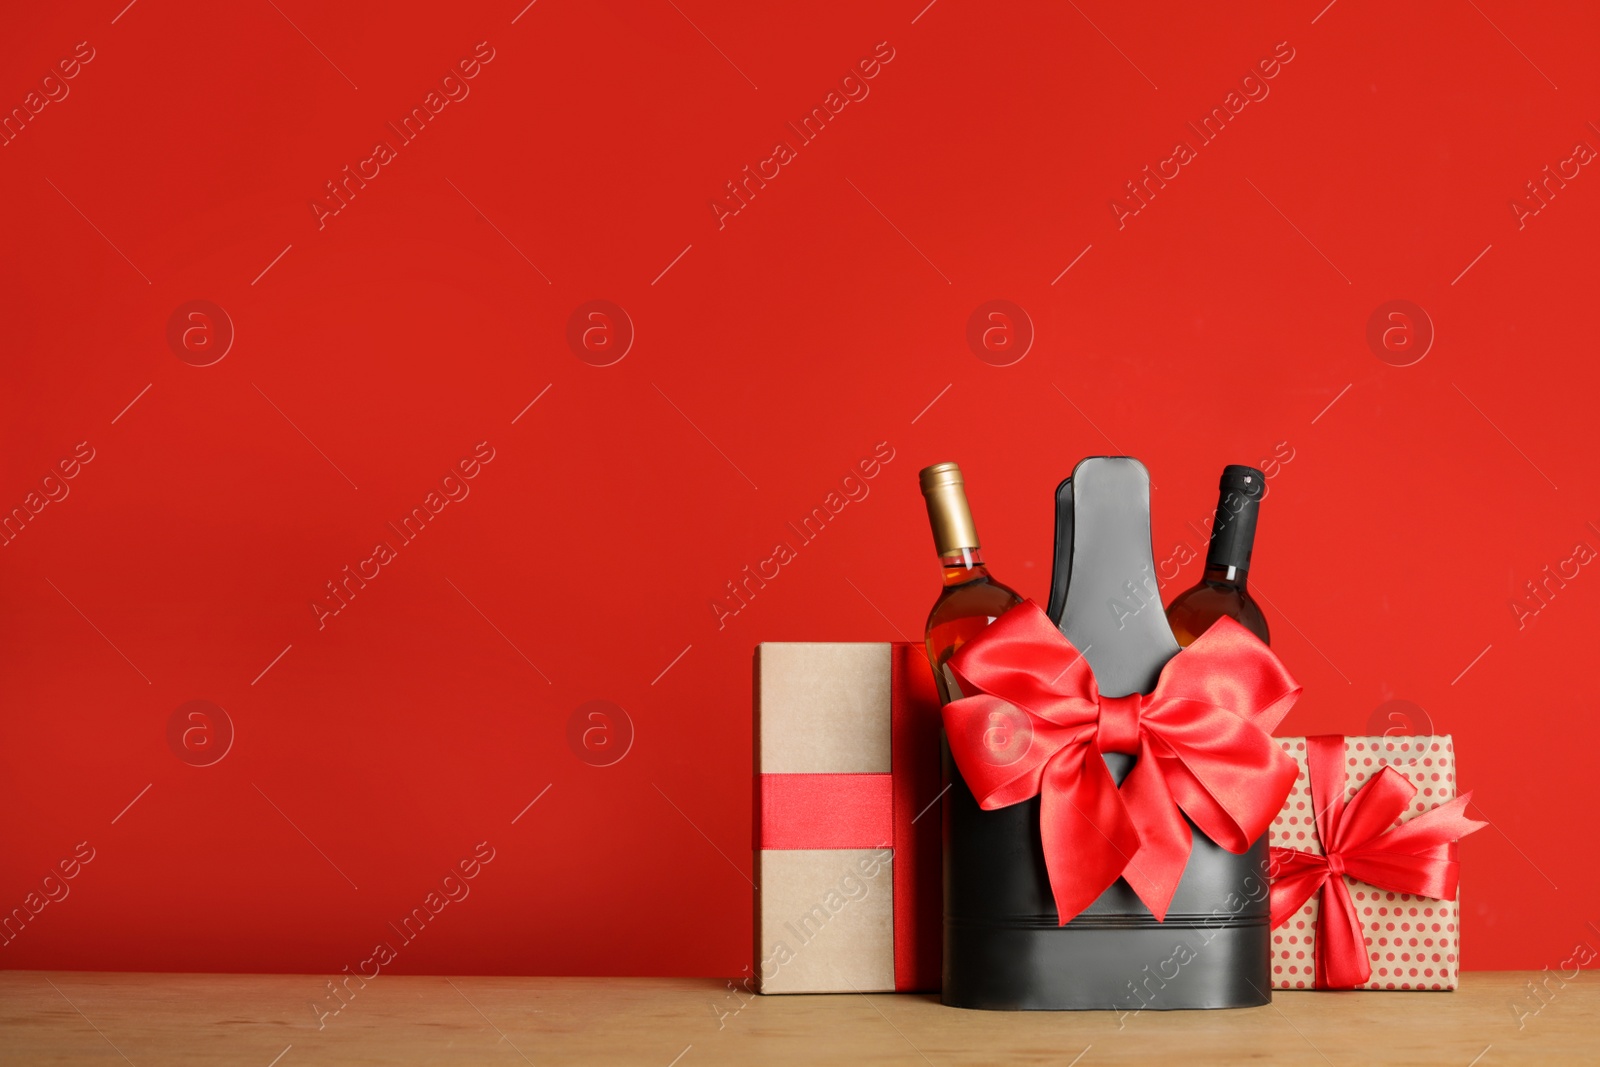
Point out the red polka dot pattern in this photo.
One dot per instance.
(1412, 942)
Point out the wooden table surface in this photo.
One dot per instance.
(269, 1021)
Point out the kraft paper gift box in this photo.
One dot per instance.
(1412, 941)
(847, 820)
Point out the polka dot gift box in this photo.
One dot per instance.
(1364, 868)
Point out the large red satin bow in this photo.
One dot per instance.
(1035, 724)
(1361, 840)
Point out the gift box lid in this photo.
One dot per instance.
(823, 707)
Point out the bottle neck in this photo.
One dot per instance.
(1225, 575)
(962, 565)
(954, 536)
(1233, 534)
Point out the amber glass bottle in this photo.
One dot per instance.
(971, 599)
(1222, 589)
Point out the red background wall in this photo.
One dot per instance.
(1225, 321)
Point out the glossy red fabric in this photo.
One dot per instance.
(826, 811)
(1035, 724)
(1360, 840)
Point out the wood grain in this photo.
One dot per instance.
(269, 1021)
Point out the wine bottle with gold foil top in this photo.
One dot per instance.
(971, 599)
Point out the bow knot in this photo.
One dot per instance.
(1362, 841)
(1119, 723)
(1200, 738)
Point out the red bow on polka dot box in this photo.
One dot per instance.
(1364, 869)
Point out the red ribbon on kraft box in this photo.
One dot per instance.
(1361, 840)
(896, 810)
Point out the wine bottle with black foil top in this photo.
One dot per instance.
(1222, 590)
(971, 598)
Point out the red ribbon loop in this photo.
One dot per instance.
(1361, 841)
(1201, 737)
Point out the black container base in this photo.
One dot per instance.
(1110, 968)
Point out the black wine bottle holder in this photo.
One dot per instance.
(1003, 946)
